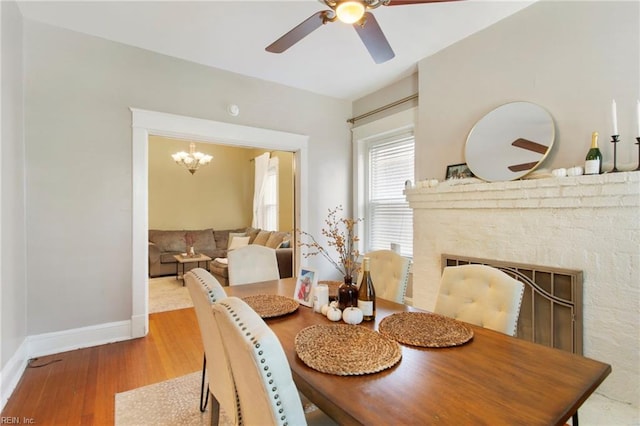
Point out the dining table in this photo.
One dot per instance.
(491, 379)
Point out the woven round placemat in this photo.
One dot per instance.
(271, 305)
(425, 329)
(346, 350)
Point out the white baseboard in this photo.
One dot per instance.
(12, 372)
(77, 338)
(56, 342)
(139, 326)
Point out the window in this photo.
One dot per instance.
(383, 161)
(270, 197)
(389, 219)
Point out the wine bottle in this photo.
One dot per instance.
(593, 163)
(367, 293)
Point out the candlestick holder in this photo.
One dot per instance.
(638, 143)
(614, 140)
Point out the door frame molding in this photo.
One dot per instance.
(146, 123)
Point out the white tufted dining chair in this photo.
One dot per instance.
(480, 295)
(252, 263)
(266, 391)
(205, 291)
(389, 273)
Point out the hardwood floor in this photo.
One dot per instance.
(79, 387)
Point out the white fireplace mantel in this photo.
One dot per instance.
(589, 191)
(587, 223)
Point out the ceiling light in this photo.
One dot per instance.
(350, 11)
(193, 159)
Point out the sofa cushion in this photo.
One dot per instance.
(238, 242)
(232, 235)
(204, 240)
(276, 238)
(219, 268)
(252, 233)
(285, 244)
(222, 237)
(262, 238)
(168, 240)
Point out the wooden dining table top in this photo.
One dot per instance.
(493, 379)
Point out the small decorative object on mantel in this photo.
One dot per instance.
(614, 140)
(638, 133)
(458, 171)
(593, 161)
(340, 234)
(615, 137)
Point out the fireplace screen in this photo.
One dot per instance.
(551, 312)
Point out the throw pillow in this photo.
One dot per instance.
(261, 238)
(275, 239)
(253, 233)
(284, 244)
(235, 234)
(237, 242)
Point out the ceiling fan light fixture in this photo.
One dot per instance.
(350, 11)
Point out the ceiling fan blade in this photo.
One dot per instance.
(530, 145)
(406, 2)
(523, 166)
(297, 33)
(374, 39)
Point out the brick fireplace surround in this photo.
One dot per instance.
(587, 223)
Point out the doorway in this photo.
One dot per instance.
(146, 123)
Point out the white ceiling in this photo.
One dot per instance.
(232, 35)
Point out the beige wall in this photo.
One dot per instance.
(219, 195)
(401, 89)
(78, 143)
(286, 180)
(570, 57)
(13, 253)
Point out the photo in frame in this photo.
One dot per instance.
(458, 171)
(307, 282)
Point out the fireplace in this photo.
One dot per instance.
(586, 224)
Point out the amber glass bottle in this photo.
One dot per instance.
(347, 294)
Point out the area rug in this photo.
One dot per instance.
(168, 294)
(169, 403)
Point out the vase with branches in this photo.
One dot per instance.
(340, 233)
(190, 241)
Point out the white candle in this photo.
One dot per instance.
(614, 117)
(638, 118)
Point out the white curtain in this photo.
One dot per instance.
(262, 168)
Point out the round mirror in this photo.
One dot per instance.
(509, 142)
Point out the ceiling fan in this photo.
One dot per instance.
(353, 12)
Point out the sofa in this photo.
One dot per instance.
(164, 244)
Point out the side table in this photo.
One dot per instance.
(189, 259)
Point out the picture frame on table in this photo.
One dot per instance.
(305, 285)
(458, 171)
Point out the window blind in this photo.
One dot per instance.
(390, 219)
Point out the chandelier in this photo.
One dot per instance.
(192, 160)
